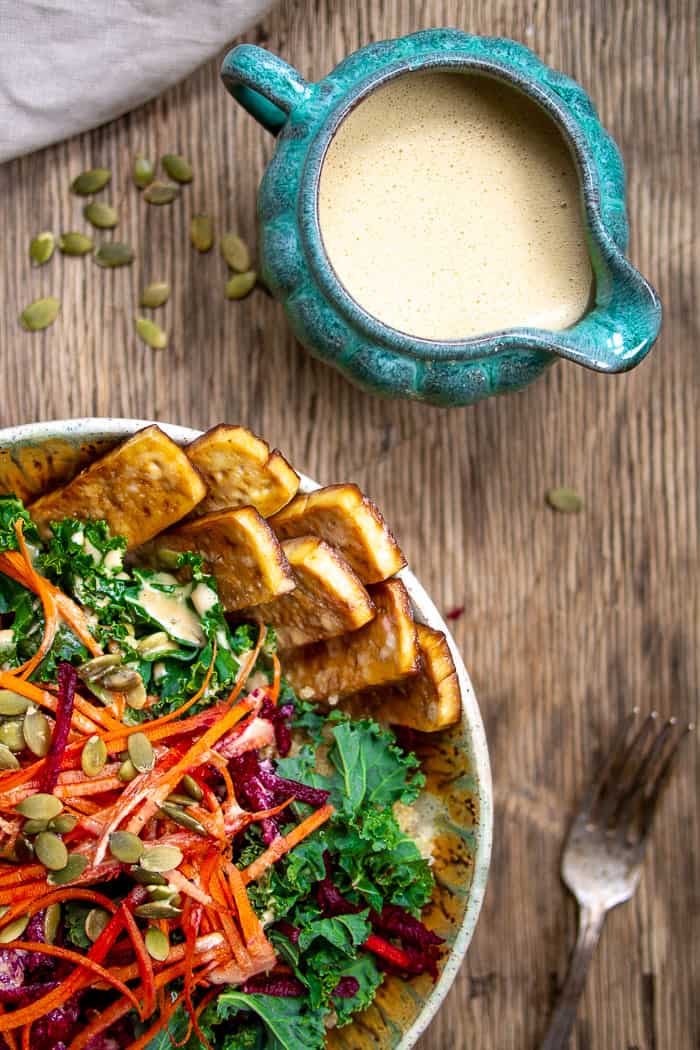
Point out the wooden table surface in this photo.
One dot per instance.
(569, 621)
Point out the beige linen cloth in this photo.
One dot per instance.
(69, 65)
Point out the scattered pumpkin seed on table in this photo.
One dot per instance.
(151, 333)
(155, 294)
(161, 858)
(93, 757)
(126, 847)
(143, 171)
(37, 732)
(161, 192)
(101, 215)
(91, 181)
(51, 850)
(177, 167)
(240, 285)
(14, 930)
(235, 252)
(75, 867)
(40, 314)
(42, 248)
(157, 944)
(75, 243)
(565, 500)
(114, 253)
(40, 806)
(202, 232)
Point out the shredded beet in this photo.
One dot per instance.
(11, 971)
(24, 994)
(287, 930)
(346, 988)
(330, 899)
(281, 788)
(67, 682)
(253, 792)
(288, 987)
(399, 923)
(58, 1027)
(279, 716)
(407, 738)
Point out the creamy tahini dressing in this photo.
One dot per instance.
(449, 206)
(172, 612)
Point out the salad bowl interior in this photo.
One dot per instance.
(454, 813)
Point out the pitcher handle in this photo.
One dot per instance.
(263, 84)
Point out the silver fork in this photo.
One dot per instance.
(604, 850)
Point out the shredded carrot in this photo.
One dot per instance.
(255, 938)
(100, 1023)
(285, 843)
(66, 893)
(274, 692)
(144, 961)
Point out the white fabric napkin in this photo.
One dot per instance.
(69, 65)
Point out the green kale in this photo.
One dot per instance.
(369, 977)
(290, 1024)
(11, 510)
(74, 916)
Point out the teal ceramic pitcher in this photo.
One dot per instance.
(616, 331)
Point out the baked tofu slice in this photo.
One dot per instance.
(240, 550)
(382, 652)
(346, 519)
(428, 702)
(239, 470)
(328, 600)
(140, 488)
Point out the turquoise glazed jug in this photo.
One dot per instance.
(615, 333)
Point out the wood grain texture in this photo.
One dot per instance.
(569, 620)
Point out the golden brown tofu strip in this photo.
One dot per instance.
(328, 599)
(428, 702)
(140, 488)
(383, 651)
(346, 519)
(239, 470)
(240, 550)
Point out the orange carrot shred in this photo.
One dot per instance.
(285, 843)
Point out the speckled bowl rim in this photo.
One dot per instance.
(96, 428)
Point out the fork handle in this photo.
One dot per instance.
(589, 929)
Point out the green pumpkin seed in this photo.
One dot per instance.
(75, 867)
(33, 827)
(41, 248)
(12, 736)
(93, 670)
(157, 944)
(158, 644)
(162, 893)
(151, 333)
(127, 771)
(37, 732)
(155, 295)
(113, 254)
(202, 232)
(121, 679)
(95, 922)
(567, 501)
(63, 823)
(143, 171)
(177, 167)
(52, 920)
(157, 910)
(7, 759)
(236, 253)
(51, 851)
(40, 314)
(141, 752)
(101, 215)
(180, 800)
(161, 858)
(161, 193)
(74, 243)
(14, 930)
(137, 697)
(126, 847)
(148, 878)
(12, 703)
(190, 785)
(241, 284)
(93, 757)
(40, 806)
(91, 181)
(185, 820)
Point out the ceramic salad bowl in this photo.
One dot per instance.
(39, 456)
(615, 333)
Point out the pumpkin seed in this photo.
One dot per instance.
(74, 243)
(235, 251)
(12, 736)
(126, 847)
(101, 215)
(121, 679)
(127, 770)
(51, 851)
(95, 922)
(52, 920)
(41, 248)
(33, 827)
(40, 806)
(93, 757)
(7, 759)
(151, 333)
(14, 930)
(141, 752)
(157, 644)
(161, 858)
(162, 893)
(177, 167)
(161, 193)
(114, 253)
(91, 181)
(567, 501)
(12, 703)
(143, 171)
(157, 944)
(155, 295)
(157, 910)
(63, 823)
(75, 867)
(93, 670)
(148, 878)
(40, 314)
(24, 850)
(37, 732)
(137, 697)
(202, 232)
(185, 820)
(190, 785)
(241, 284)
(181, 800)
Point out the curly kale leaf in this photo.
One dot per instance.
(11, 511)
(289, 1023)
